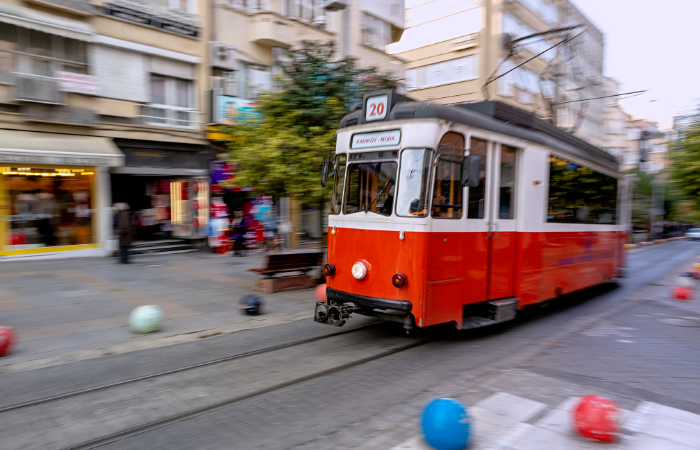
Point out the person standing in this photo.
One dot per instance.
(125, 231)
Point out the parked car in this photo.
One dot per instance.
(693, 234)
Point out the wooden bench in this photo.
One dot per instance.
(282, 263)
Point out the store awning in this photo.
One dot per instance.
(26, 147)
(48, 23)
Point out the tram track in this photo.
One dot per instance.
(261, 351)
(112, 412)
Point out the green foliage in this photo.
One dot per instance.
(280, 150)
(685, 162)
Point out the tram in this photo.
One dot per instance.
(464, 214)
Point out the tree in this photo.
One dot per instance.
(280, 149)
(685, 163)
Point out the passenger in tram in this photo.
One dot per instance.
(389, 202)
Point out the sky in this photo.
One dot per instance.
(651, 44)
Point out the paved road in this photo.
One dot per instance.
(369, 405)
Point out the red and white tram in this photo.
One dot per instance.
(464, 214)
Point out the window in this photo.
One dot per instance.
(506, 197)
(375, 32)
(49, 207)
(249, 5)
(452, 71)
(477, 195)
(370, 186)
(578, 194)
(171, 102)
(36, 53)
(413, 181)
(306, 10)
(447, 190)
(338, 183)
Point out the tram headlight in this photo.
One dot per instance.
(398, 280)
(359, 270)
(329, 270)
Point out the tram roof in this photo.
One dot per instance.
(497, 117)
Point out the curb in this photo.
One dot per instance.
(654, 242)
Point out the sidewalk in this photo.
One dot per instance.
(69, 310)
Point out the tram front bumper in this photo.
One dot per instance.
(337, 311)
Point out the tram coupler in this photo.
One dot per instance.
(333, 314)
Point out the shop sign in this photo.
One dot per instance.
(155, 15)
(17, 158)
(229, 108)
(78, 83)
(163, 158)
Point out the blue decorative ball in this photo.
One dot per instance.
(250, 305)
(446, 424)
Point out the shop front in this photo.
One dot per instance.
(166, 186)
(54, 194)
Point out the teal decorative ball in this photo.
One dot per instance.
(145, 319)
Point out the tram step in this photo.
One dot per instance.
(493, 312)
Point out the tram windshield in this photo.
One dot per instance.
(370, 187)
(413, 181)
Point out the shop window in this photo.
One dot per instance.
(48, 207)
(171, 102)
(36, 53)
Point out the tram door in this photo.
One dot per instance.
(501, 234)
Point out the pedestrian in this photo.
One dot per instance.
(125, 231)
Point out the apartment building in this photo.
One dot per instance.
(100, 102)
(248, 37)
(648, 147)
(455, 50)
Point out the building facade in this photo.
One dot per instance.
(247, 38)
(460, 52)
(100, 102)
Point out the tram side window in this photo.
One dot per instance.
(411, 200)
(578, 194)
(477, 195)
(338, 184)
(371, 186)
(447, 191)
(507, 183)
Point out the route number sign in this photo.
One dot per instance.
(376, 108)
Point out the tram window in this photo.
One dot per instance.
(370, 181)
(447, 191)
(578, 194)
(507, 183)
(413, 180)
(477, 195)
(338, 184)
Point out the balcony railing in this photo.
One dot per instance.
(169, 116)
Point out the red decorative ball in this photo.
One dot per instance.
(7, 339)
(682, 293)
(321, 293)
(597, 418)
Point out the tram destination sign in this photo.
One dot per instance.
(387, 138)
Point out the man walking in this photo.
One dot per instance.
(124, 231)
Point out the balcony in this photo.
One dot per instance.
(271, 29)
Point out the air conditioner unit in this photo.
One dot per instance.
(29, 88)
(227, 86)
(223, 56)
(334, 5)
